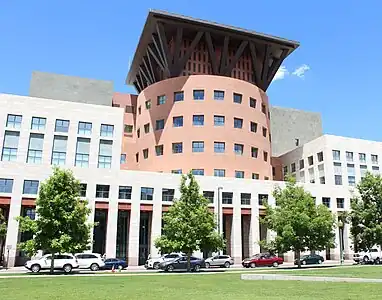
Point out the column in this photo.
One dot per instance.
(254, 231)
(90, 196)
(134, 227)
(156, 220)
(348, 242)
(335, 252)
(236, 229)
(112, 221)
(218, 210)
(13, 225)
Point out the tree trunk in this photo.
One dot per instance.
(188, 261)
(52, 265)
(2, 258)
(298, 256)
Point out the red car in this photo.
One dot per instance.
(262, 260)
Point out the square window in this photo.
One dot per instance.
(336, 155)
(177, 148)
(128, 128)
(107, 130)
(147, 128)
(178, 96)
(237, 123)
(199, 172)
(198, 120)
(125, 192)
(168, 195)
(219, 120)
(338, 179)
(375, 170)
(159, 150)
(254, 152)
(198, 146)
(129, 109)
(219, 172)
(326, 201)
(374, 159)
(245, 198)
(263, 199)
(159, 124)
(62, 126)
(147, 193)
(38, 123)
(349, 156)
(238, 149)
(14, 121)
(6, 185)
(253, 127)
(362, 157)
(85, 128)
(179, 171)
(239, 174)
(252, 102)
(30, 187)
(177, 121)
(237, 98)
(148, 104)
(351, 180)
(161, 99)
(320, 156)
(218, 95)
(340, 202)
(209, 195)
(255, 176)
(227, 197)
(198, 94)
(310, 160)
(264, 132)
(219, 147)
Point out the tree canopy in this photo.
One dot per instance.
(61, 225)
(366, 213)
(299, 223)
(189, 225)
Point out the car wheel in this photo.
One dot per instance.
(35, 268)
(365, 259)
(377, 261)
(94, 267)
(275, 264)
(227, 265)
(120, 267)
(304, 262)
(319, 261)
(156, 266)
(67, 268)
(170, 268)
(253, 265)
(208, 265)
(197, 268)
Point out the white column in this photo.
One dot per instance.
(112, 221)
(348, 243)
(13, 225)
(156, 221)
(218, 210)
(254, 231)
(236, 229)
(90, 196)
(335, 252)
(134, 227)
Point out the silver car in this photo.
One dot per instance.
(219, 261)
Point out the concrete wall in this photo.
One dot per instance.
(70, 88)
(289, 124)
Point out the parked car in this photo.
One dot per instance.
(310, 259)
(366, 257)
(219, 261)
(153, 263)
(92, 261)
(262, 260)
(115, 263)
(180, 264)
(65, 262)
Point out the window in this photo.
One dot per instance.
(177, 121)
(340, 202)
(263, 199)
(219, 147)
(139, 110)
(82, 152)
(148, 104)
(302, 176)
(138, 132)
(254, 152)
(337, 168)
(83, 188)
(137, 157)
(362, 157)
(245, 198)
(85, 128)
(147, 193)
(310, 160)
(199, 172)
(374, 159)
(265, 155)
(218, 95)
(107, 130)
(198, 94)
(36, 142)
(145, 153)
(10, 145)
(237, 123)
(320, 156)
(375, 170)
(179, 171)
(301, 162)
(168, 195)
(198, 120)
(219, 172)
(38, 123)
(219, 120)
(62, 126)
(336, 155)
(159, 124)
(351, 180)
(129, 109)
(349, 156)
(161, 99)
(326, 201)
(102, 191)
(263, 109)
(30, 187)
(59, 150)
(14, 121)
(128, 128)
(264, 132)
(198, 146)
(255, 176)
(178, 96)
(239, 174)
(147, 127)
(122, 159)
(237, 98)
(227, 197)
(293, 167)
(351, 169)
(209, 195)
(363, 169)
(105, 154)
(253, 126)
(321, 173)
(238, 149)
(252, 102)
(285, 170)
(159, 150)
(6, 185)
(177, 147)
(338, 179)
(124, 192)
(311, 175)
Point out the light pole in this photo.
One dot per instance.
(219, 189)
(340, 232)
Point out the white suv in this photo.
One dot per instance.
(371, 256)
(92, 261)
(219, 261)
(153, 263)
(65, 262)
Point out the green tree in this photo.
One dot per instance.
(300, 224)
(3, 234)
(365, 216)
(62, 224)
(189, 225)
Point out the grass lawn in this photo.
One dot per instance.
(218, 286)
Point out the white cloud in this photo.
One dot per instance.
(281, 73)
(300, 71)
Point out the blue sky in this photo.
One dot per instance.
(341, 44)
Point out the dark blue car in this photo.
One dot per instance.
(116, 262)
(180, 264)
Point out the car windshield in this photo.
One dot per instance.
(304, 256)
(256, 256)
